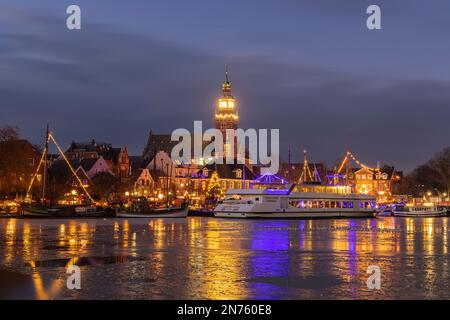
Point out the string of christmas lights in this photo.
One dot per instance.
(71, 168)
(36, 173)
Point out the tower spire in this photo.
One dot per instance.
(226, 86)
(226, 116)
(226, 73)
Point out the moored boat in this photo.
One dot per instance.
(44, 209)
(156, 213)
(296, 201)
(29, 211)
(199, 212)
(140, 208)
(418, 211)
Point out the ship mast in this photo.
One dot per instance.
(44, 176)
(347, 165)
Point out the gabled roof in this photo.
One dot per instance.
(135, 167)
(103, 149)
(155, 143)
(19, 144)
(388, 170)
(156, 174)
(92, 146)
(61, 171)
(163, 142)
(111, 154)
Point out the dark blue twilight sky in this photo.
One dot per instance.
(310, 68)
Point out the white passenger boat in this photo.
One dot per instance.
(296, 201)
(418, 211)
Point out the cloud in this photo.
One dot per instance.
(115, 86)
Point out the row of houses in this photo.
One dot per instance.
(154, 174)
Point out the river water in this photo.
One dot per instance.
(210, 258)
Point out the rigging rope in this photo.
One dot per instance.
(347, 158)
(71, 168)
(36, 173)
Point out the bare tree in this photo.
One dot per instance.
(441, 165)
(8, 133)
(432, 175)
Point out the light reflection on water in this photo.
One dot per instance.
(210, 258)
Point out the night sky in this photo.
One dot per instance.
(310, 68)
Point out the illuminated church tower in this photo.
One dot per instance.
(226, 116)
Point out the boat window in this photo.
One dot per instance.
(348, 204)
(363, 204)
(294, 203)
(297, 203)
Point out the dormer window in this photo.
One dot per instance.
(238, 173)
(205, 172)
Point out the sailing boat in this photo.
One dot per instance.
(140, 208)
(44, 209)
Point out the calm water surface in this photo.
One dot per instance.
(208, 258)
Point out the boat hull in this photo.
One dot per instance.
(36, 212)
(295, 215)
(430, 213)
(30, 212)
(182, 213)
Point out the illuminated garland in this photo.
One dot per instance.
(71, 168)
(36, 173)
(347, 158)
(226, 116)
(359, 162)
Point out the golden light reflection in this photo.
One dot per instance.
(116, 231)
(444, 240)
(62, 234)
(225, 272)
(428, 237)
(26, 239)
(125, 234)
(157, 226)
(10, 236)
(55, 287)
